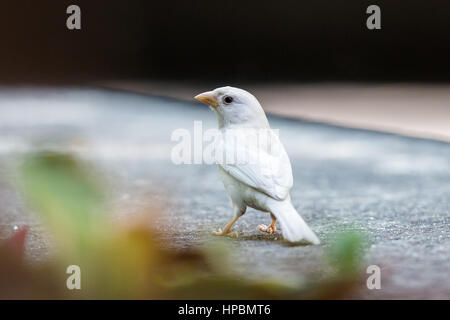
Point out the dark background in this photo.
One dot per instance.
(321, 40)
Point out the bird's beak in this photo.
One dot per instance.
(208, 98)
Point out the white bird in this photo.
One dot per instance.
(263, 181)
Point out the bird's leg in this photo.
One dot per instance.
(226, 230)
(271, 228)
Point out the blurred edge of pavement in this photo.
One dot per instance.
(418, 110)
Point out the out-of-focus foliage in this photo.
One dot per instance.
(346, 253)
(128, 261)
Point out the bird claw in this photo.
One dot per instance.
(269, 229)
(219, 232)
(233, 234)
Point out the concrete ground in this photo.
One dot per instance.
(418, 110)
(394, 188)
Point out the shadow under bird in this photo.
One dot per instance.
(264, 180)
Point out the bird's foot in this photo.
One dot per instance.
(269, 229)
(220, 232)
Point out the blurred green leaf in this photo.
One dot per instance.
(346, 252)
(63, 192)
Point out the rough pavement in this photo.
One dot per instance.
(394, 188)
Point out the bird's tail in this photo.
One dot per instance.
(293, 226)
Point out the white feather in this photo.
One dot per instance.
(265, 168)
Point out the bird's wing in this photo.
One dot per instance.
(268, 171)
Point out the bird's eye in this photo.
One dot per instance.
(227, 99)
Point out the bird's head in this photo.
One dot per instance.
(234, 106)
